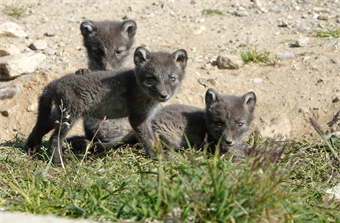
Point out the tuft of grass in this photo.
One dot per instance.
(15, 9)
(249, 54)
(329, 33)
(281, 181)
(211, 12)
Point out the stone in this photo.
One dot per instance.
(49, 51)
(241, 13)
(203, 82)
(338, 20)
(257, 80)
(199, 30)
(335, 60)
(14, 65)
(32, 107)
(323, 17)
(320, 10)
(8, 49)
(9, 111)
(303, 41)
(9, 92)
(11, 29)
(38, 45)
(334, 192)
(229, 62)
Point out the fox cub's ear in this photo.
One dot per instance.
(211, 97)
(142, 55)
(180, 57)
(128, 28)
(87, 27)
(250, 100)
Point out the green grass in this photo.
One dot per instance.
(212, 12)
(329, 33)
(284, 181)
(15, 9)
(252, 54)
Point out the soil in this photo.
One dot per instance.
(303, 82)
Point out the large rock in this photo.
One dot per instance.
(11, 29)
(8, 49)
(14, 65)
(229, 62)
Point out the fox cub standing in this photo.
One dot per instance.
(116, 94)
(226, 117)
(108, 45)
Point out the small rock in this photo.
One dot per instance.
(44, 20)
(287, 55)
(257, 80)
(29, 36)
(11, 29)
(334, 192)
(49, 34)
(302, 41)
(203, 82)
(320, 10)
(14, 65)
(49, 51)
(38, 45)
(229, 62)
(9, 111)
(323, 17)
(199, 30)
(32, 107)
(335, 60)
(338, 20)
(241, 13)
(9, 92)
(8, 49)
(304, 16)
(236, 73)
(304, 110)
(335, 100)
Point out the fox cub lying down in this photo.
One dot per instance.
(226, 117)
(132, 93)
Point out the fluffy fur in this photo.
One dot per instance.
(116, 94)
(108, 45)
(226, 117)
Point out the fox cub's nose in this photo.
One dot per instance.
(163, 96)
(229, 142)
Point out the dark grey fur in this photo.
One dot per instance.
(114, 94)
(226, 117)
(108, 45)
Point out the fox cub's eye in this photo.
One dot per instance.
(150, 80)
(239, 124)
(218, 124)
(118, 52)
(172, 79)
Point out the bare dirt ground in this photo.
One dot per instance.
(296, 88)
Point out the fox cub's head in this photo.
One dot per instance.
(229, 117)
(160, 74)
(108, 43)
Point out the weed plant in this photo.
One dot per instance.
(329, 33)
(251, 54)
(281, 181)
(211, 12)
(15, 9)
